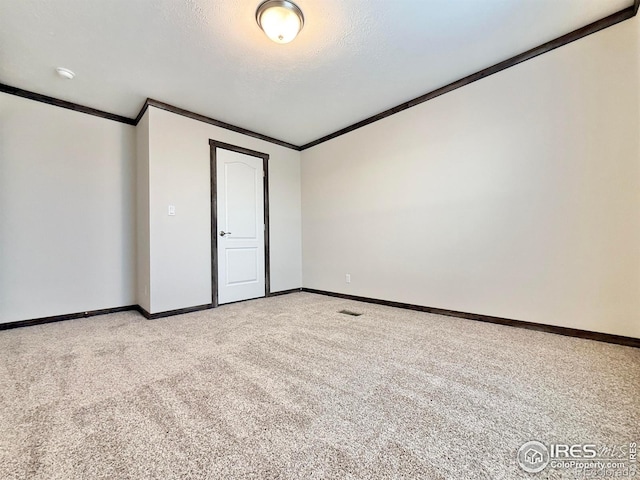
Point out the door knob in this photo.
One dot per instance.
(222, 234)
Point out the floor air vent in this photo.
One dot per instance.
(349, 312)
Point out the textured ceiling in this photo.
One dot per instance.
(353, 59)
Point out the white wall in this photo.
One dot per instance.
(143, 253)
(180, 245)
(66, 211)
(517, 196)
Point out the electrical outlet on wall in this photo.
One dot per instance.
(348, 278)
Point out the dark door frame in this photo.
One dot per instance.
(213, 145)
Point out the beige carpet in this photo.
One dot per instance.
(286, 387)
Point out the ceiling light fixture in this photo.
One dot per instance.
(280, 20)
(65, 73)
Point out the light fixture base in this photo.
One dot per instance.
(280, 20)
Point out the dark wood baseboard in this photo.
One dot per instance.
(137, 308)
(569, 332)
(143, 312)
(171, 313)
(68, 316)
(268, 295)
(284, 292)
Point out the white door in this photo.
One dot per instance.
(240, 206)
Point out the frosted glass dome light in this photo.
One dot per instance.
(280, 20)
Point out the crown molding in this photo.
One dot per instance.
(64, 104)
(212, 121)
(594, 27)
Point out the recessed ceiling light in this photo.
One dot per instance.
(281, 20)
(65, 73)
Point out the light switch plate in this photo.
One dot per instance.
(172, 210)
